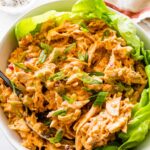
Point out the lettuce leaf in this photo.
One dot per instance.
(86, 9)
(146, 54)
(28, 25)
(107, 148)
(140, 123)
(127, 30)
(136, 135)
(121, 23)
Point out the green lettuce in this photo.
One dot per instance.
(121, 23)
(135, 135)
(107, 148)
(29, 25)
(86, 9)
(146, 54)
(140, 123)
(127, 30)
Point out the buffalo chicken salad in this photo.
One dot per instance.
(83, 77)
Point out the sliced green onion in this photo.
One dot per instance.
(96, 73)
(105, 34)
(100, 99)
(42, 57)
(89, 80)
(61, 112)
(56, 53)
(84, 27)
(13, 86)
(58, 137)
(57, 76)
(47, 122)
(47, 49)
(69, 48)
(83, 56)
(68, 99)
(22, 66)
(87, 89)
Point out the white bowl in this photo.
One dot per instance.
(8, 44)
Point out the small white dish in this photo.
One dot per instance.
(17, 9)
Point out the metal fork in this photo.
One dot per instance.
(8, 83)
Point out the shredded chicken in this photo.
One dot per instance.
(61, 72)
(100, 128)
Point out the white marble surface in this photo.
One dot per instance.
(5, 21)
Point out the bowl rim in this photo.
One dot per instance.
(13, 142)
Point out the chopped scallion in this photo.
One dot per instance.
(68, 99)
(60, 112)
(58, 137)
(47, 49)
(69, 48)
(22, 66)
(101, 97)
(57, 76)
(83, 56)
